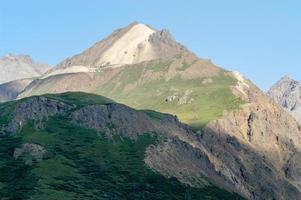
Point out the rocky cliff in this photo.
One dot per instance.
(271, 134)
(287, 93)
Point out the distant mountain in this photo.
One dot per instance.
(15, 67)
(287, 93)
(251, 142)
(10, 90)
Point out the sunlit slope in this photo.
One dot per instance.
(193, 89)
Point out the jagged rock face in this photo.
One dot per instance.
(134, 44)
(35, 151)
(287, 93)
(265, 140)
(10, 90)
(36, 109)
(14, 67)
(129, 123)
(164, 45)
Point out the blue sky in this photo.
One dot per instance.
(260, 38)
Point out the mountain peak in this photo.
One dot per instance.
(285, 83)
(133, 44)
(13, 67)
(136, 23)
(287, 93)
(13, 57)
(286, 78)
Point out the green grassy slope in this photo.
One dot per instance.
(80, 164)
(204, 102)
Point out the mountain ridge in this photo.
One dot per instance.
(14, 67)
(287, 93)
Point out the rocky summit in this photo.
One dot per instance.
(15, 67)
(10, 90)
(16, 72)
(221, 136)
(133, 44)
(287, 93)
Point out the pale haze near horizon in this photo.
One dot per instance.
(261, 39)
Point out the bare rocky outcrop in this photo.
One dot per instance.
(15, 67)
(287, 93)
(266, 141)
(181, 99)
(35, 109)
(113, 118)
(35, 152)
(164, 44)
(119, 119)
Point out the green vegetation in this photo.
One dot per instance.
(203, 103)
(5, 111)
(186, 65)
(79, 98)
(81, 164)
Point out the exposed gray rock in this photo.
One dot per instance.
(120, 119)
(35, 152)
(171, 98)
(165, 44)
(36, 109)
(287, 93)
(15, 67)
(10, 90)
(247, 170)
(163, 36)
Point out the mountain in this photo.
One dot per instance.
(83, 146)
(287, 93)
(10, 90)
(250, 144)
(15, 67)
(172, 80)
(134, 44)
(77, 145)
